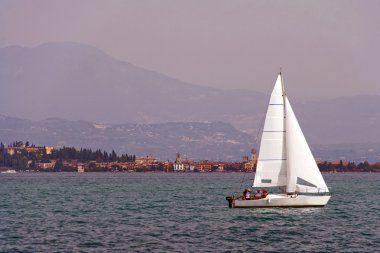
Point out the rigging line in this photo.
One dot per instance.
(257, 141)
(258, 138)
(241, 183)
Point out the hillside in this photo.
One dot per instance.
(217, 141)
(75, 81)
(79, 82)
(194, 140)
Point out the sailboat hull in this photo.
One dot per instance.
(282, 200)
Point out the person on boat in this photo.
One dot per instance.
(248, 195)
(244, 193)
(264, 193)
(257, 195)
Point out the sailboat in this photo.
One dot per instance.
(285, 162)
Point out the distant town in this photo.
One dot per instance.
(26, 157)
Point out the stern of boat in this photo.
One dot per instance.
(230, 200)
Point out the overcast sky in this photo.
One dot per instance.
(325, 48)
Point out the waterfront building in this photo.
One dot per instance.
(178, 165)
(146, 161)
(249, 163)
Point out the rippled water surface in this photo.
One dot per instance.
(168, 212)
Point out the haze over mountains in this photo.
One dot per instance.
(79, 82)
(75, 81)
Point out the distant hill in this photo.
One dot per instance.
(357, 152)
(341, 120)
(75, 81)
(194, 140)
(217, 141)
(79, 82)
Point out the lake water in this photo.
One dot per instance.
(169, 212)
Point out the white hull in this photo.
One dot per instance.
(283, 200)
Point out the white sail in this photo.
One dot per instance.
(285, 158)
(271, 164)
(285, 161)
(303, 174)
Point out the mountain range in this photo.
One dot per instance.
(81, 83)
(194, 140)
(75, 81)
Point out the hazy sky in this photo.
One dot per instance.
(325, 48)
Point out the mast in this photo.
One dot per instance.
(283, 98)
(287, 174)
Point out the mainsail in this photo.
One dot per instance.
(271, 163)
(285, 158)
